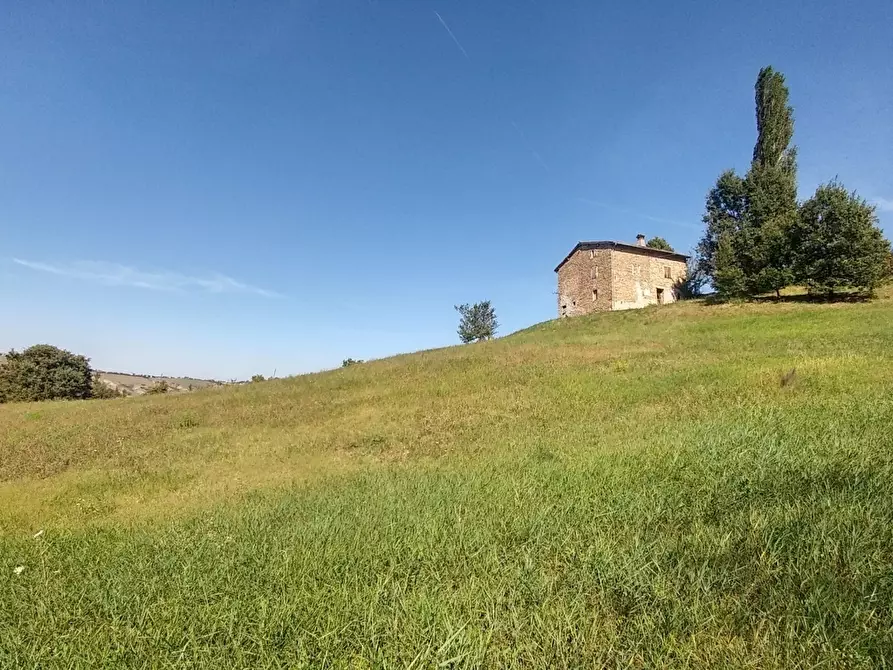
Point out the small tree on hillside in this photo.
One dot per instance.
(659, 243)
(347, 362)
(838, 244)
(44, 372)
(477, 322)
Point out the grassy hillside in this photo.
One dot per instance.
(631, 490)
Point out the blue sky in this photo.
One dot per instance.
(222, 189)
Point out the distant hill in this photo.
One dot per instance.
(138, 384)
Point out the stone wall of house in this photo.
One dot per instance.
(584, 283)
(640, 279)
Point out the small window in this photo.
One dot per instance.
(591, 254)
(593, 272)
(667, 274)
(594, 294)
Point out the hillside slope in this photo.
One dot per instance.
(626, 490)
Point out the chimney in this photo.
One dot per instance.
(640, 240)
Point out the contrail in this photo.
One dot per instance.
(450, 32)
(533, 152)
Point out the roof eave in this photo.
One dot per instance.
(669, 255)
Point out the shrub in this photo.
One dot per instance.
(158, 388)
(347, 362)
(477, 322)
(100, 390)
(257, 378)
(44, 372)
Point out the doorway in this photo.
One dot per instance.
(660, 296)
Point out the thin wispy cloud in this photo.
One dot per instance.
(114, 274)
(640, 215)
(450, 33)
(883, 204)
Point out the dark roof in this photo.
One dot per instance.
(623, 246)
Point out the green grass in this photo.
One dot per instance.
(629, 490)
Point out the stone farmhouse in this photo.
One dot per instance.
(605, 276)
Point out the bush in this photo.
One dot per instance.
(257, 378)
(477, 322)
(347, 362)
(159, 388)
(45, 372)
(101, 390)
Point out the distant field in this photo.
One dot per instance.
(138, 384)
(627, 490)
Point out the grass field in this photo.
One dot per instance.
(628, 490)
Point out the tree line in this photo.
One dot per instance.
(758, 239)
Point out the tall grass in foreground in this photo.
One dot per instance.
(676, 510)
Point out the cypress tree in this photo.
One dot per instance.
(771, 188)
(775, 122)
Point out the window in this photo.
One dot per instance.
(593, 272)
(594, 294)
(591, 254)
(667, 274)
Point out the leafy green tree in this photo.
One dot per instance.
(728, 277)
(659, 243)
(477, 322)
(724, 213)
(838, 243)
(44, 372)
(347, 362)
(257, 378)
